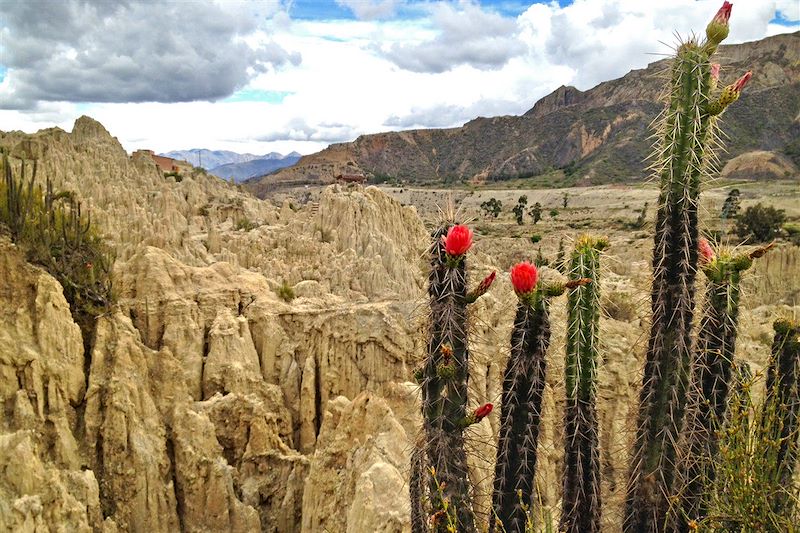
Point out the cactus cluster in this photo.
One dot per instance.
(683, 157)
(684, 401)
(712, 367)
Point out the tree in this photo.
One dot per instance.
(565, 199)
(536, 212)
(492, 207)
(519, 209)
(759, 223)
(731, 206)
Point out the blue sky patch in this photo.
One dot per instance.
(3, 71)
(780, 19)
(256, 95)
(316, 10)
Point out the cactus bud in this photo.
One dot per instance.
(717, 29)
(482, 412)
(741, 82)
(482, 288)
(458, 241)
(714, 75)
(729, 94)
(523, 277)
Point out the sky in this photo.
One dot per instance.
(264, 76)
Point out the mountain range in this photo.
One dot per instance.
(574, 137)
(226, 164)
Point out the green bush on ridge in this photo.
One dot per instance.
(53, 232)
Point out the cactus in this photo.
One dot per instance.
(523, 387)
(580, 507)
(683, 156)
(711, 376)
(783, 397)
(444, 379)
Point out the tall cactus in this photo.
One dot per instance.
(710, 382)
(580, 507)
(443, 379)
(523, 388)
(783, 398)
(682, 157)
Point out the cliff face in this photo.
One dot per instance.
(201, 401)
(596, 136)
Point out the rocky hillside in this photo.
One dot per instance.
(573, 137)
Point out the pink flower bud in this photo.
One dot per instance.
(523, 277)
(483, 411)
(458, 240)
(705, 251)
(715, 71)
(724, 14)
(717, 29)
(741, 82)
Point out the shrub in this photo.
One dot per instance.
(492, 207)
(759, 223)
(55, 233)
(286, 292)
(244, 224)
(535, 212)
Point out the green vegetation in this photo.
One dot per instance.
(535, 212)
(730, 208)
(492, 207)
(759, 223)
(285, 292)
(519, 209)
(55, 233)
(244, 224)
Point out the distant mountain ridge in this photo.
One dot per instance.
(255, 167)
(226, 164)
(573, 137)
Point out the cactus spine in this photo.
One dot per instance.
(580, 508)
(710, 383)
(523, 388)
(682, 157)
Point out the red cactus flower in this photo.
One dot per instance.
(458, 240)
(741, 82)
(483, 411)
(523, 277)
(706, 252)
(724, 14)
(715, 71)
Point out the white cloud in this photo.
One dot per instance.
(346, 85)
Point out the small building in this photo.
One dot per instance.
(351, 178)
(165, 164)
